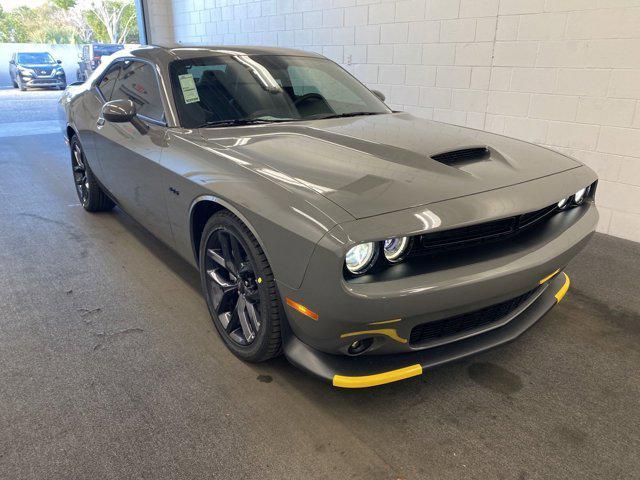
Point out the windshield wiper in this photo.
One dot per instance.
(242, 121)
(348, 114)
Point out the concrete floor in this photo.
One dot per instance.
(110, 366)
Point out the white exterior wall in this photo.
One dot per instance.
(159, 17)
(561, 73)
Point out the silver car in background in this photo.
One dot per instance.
(365, 244)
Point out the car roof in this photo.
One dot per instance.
(168, 54)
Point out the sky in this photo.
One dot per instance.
(11, 4)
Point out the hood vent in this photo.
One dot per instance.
(462, 155)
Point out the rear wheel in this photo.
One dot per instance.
(240, 289)
(91, 196)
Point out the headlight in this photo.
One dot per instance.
(395, 248)
(360, 257)
(580, 195)
(27, 72)
(564, 203)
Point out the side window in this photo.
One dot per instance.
(108, 80)
(138, 83)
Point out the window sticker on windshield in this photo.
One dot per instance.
(188, 87)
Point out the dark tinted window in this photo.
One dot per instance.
(108, 81)
(137, 82)
(36, 58)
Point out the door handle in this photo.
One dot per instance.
(100, 122)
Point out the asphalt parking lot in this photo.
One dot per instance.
(111, 368)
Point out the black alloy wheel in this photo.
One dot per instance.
(80, 177)
(89, 191)
(239, 289)
(234, 287)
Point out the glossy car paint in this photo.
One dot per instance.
(309, 190)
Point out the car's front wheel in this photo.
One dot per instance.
(239, 288)
(90, 194)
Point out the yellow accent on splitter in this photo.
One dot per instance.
(389, 332)
(377, 379)
(549, 277)
(395, 320)
(562, 292)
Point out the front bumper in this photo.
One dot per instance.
(372, 370)
(44, 82)
(388, 311)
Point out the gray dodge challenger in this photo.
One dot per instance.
(363, 243)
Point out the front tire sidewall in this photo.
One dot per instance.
(258, 350)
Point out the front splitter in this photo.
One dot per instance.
(372, 370)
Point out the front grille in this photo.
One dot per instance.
(473, 235)
(461, 155)
(467, 322)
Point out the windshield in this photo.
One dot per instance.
(35, 58)
(236, 89)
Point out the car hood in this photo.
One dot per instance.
(370, 165)
(36, 66)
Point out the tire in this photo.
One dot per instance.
(23, 88)
(257, 275)
(89, 192)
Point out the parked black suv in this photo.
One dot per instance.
(36, 69)
(91, 57)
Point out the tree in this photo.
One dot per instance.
(71, 21)
(65, 5)
(112, 21)
(12, 27)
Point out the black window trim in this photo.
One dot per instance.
(161, 123)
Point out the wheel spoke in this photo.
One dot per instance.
(222, 292)
(236, 256)
(247, 329)
(216, 257)
(229, 321)
(223, 238)
(215, 275)
(253, 315)
(77, 154)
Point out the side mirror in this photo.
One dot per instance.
(12, 62)
(123, 111)
(379, 94)
(59, 62)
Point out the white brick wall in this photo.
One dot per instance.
(561, 73)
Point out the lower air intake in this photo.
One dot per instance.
(467, 322)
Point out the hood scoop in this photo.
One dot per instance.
(462, 155)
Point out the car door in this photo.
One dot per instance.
(87, 112)
(131, 161)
